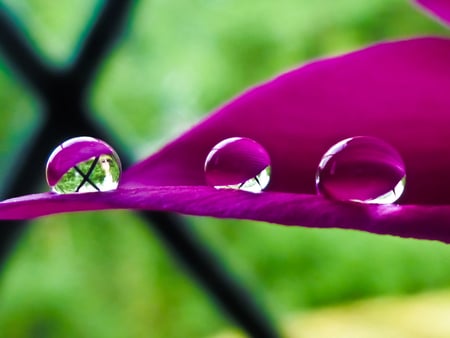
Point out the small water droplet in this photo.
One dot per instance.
(83, 164)
(362, 169)
(238, 163)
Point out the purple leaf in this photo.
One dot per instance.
(396, 91)
(438, 8)
(423, 222)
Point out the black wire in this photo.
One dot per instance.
(96, 42)
(86, 176)
(231, 296)
(67, 116)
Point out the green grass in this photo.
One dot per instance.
(104, 274)
(99, 275)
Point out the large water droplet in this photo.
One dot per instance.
(361, 169)
(83, 164)
(238, 163)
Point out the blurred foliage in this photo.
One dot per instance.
(103, 274)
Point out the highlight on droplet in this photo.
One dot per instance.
(83, 164)
(361, 169)
(238, 163)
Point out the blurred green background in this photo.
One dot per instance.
(104, 274)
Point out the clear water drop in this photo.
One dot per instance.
(238, 163)
(362, 169)
(83, 164)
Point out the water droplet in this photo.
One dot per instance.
(362, 169)
(83, 164)
(238, 163)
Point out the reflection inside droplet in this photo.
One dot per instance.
(238, 163)
(83, 164)
(362, 169)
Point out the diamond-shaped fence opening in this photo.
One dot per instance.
(62, 93)
(76, 274)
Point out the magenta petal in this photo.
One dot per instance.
(396, 91)
(282, 208)
(36, 205)
(438, 8)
